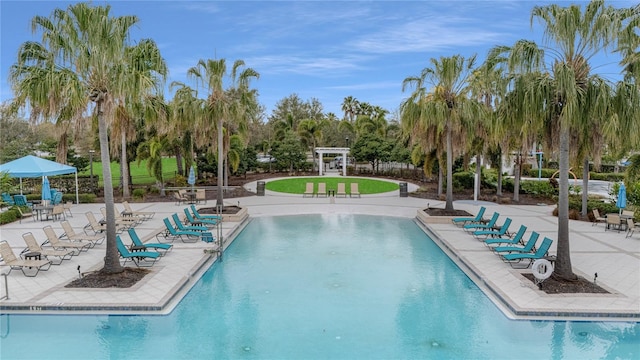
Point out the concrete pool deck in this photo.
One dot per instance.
(614, 257)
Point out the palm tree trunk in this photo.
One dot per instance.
(62, 149)
(111, 259)
(516, 180)
(585, 186)
(479, 172)
(125, 166)
(440, 180)
(563, 267)
(220, 197)
(449, 198)
(499, 187)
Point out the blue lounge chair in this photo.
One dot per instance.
(465, 220)
(209, 223)
(171, 233)
(528, 247)
(199, 216)
(518, 258)
(7, 199)
(161, 248)
(138, 257)
(21, 200)
(506, 241)
(470, 228)
(180, 226)
(503, 231)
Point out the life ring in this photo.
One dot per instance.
(542, 269)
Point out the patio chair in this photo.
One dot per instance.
(322, 190)
(126, 215)
(56, 198)
(180, 199)
(56, 256)
(25, 214)
(7, 199)
(209, 223)
(145, 214)
(182, 227)
(9, 258)
(120, 222)
(21, 200)
(201, 196)
(597, 218)
(631, 227)
(199, 216)
(613, 222)
(158, 247)
(493, 242)
(470, 228)
(354, 190)
(67, 208)
(308, 190)
(56, 212)
(461, 221)
(627, 213)
(57, 244)
(71, 234)
(528, 247)
(517, 258)
(502, 231)
(170, 233)
(93, 225)
(341, 190)
(140, 258)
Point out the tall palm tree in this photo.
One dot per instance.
(350, 107)
(558, 94)
(220, 106)
(92, 49)
(449, 108)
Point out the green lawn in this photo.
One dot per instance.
(298, 185)
(139, 173)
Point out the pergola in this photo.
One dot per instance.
(333, 150)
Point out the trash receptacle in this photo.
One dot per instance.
(260, 188)
(403, 189)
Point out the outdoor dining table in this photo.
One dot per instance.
(42, 210)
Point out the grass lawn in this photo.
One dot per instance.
(298, 185)
(139, 173)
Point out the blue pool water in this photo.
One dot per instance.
(322, 287)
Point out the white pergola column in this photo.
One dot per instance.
(342, 151)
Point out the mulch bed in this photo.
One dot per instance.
(101, 279)
(581, 285)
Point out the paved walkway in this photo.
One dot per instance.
(615, 258)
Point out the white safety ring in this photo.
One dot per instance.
(542, 269)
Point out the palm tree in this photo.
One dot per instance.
(220, 105)
(91, 48)
(558, 96)
(449, 108)
(350, 106)
(310, 131)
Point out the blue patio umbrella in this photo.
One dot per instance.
(46, 189)
(622, 197)
(192, 177)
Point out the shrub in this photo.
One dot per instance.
(8, 216)
(463, 180)
(539, 188)
(544, 173)
(138, 194)
(614, 177)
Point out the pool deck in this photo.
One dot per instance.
(615, 258)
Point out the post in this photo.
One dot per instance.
(91, 152)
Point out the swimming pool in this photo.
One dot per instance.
(322, 287)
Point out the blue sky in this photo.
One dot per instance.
(317, 49)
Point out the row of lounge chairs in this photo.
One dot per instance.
(511, 247)
(195, 226)
(322, 190)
